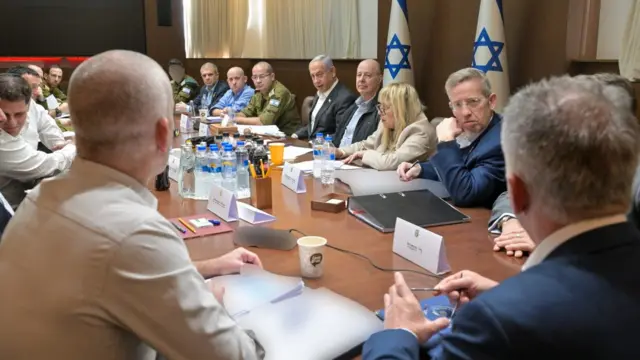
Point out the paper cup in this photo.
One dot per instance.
(311, 251)
(277, 153)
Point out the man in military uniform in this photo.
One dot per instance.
(40, 99)
(185, 88)
(272, 103)
(52, 84)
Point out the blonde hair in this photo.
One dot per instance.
(406, 106)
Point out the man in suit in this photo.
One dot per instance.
(578, 295)
(361, 119)
(513, 239)
(469, 160)
(331, 100)
(209, 94)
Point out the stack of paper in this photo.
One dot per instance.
(255, 287)
(292, 152)
(267, 130)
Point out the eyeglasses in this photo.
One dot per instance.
(471, 104)
(259, 77)
(382, 110)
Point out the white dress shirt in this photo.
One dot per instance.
(95, 272)
(322, 97)
(553, 241)
(41, 127)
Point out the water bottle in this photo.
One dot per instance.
(232, 117)
(260, 153)
(233, 141)
(226, 138)
(215, 165)
(219, 140)
(241, 153)
(191, 109)
(318, 147)
(202, 173)
(222, 146)
(244, 189)
(328, 172)
(229, 170)
(186, 177)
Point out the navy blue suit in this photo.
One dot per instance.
(218, 90)
(581, 302)
(474, 175)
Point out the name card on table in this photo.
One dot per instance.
(174, 164)
(222, 202)
(293, 178)
(420, 246)
(203, 130)
(185, 122)
(253, 215)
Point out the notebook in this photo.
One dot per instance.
(420, 207)
(370, 181)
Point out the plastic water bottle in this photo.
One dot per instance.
(244, 189)
(318, 147)
(229, 169)
(202, 173)
(215, 165)
(328, 172)
(241, 153)
(222, 146)
(186, 177)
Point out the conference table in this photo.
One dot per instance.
(468, 245)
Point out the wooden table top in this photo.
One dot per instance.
(468, 245)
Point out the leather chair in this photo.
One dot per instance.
(305, 110)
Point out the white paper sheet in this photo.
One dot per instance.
(269, 130)
(292, 152)
(307, 166)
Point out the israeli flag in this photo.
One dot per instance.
(398, 65)
(490, 49)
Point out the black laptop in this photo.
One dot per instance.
(419, 207)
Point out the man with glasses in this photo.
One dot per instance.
(211, 91)
(272, 103)
(469, 160)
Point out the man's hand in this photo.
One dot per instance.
(231, 262)
(340, 154)
(64, 107)
(514, 239)
(407, 173)
(403, 311)
(60, 145)
(294, 136)
(448, 130)
(181, 107)
(464, 286)
(355, 156)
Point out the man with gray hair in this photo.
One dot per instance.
(469, 159)
(111, 274)
(571, 152)
(210, 92)
(331, 100)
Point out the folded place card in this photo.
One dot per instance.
(203, 130)
(293, 178)
(185, 122)
(174, 164)
(253, 215)
(222, 202)
(420, 246)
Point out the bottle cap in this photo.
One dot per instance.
(213, 147)
(202, 148)
(240, 143)
(215, 222)
(319, 135)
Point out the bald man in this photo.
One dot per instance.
(238, 95)
(94, 271)
(209, 94)
(361, 119)
(272, 104)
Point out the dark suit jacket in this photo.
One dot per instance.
(219, 89)
(501, 206)
(474, 176)
(339, 99)
(366, 126)
(581, 302)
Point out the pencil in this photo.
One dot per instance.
(414, 164)
(179, 228)
(252, 169)
(187, 225)
(262, 168)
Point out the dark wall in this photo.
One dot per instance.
(70, 27)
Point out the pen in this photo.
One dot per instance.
(455, 308)
(413, 164)
(179, 228)
(187, 225)
(261, 168)
(424, 289)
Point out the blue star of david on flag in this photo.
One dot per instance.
(394, 68)
(494, 47)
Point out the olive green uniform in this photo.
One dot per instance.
(56, 92)
(184, 91)
(279, 108)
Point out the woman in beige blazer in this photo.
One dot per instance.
(404, 132)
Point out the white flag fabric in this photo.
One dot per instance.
(490, 49)
(398, 65)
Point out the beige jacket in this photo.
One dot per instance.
(416, 142)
